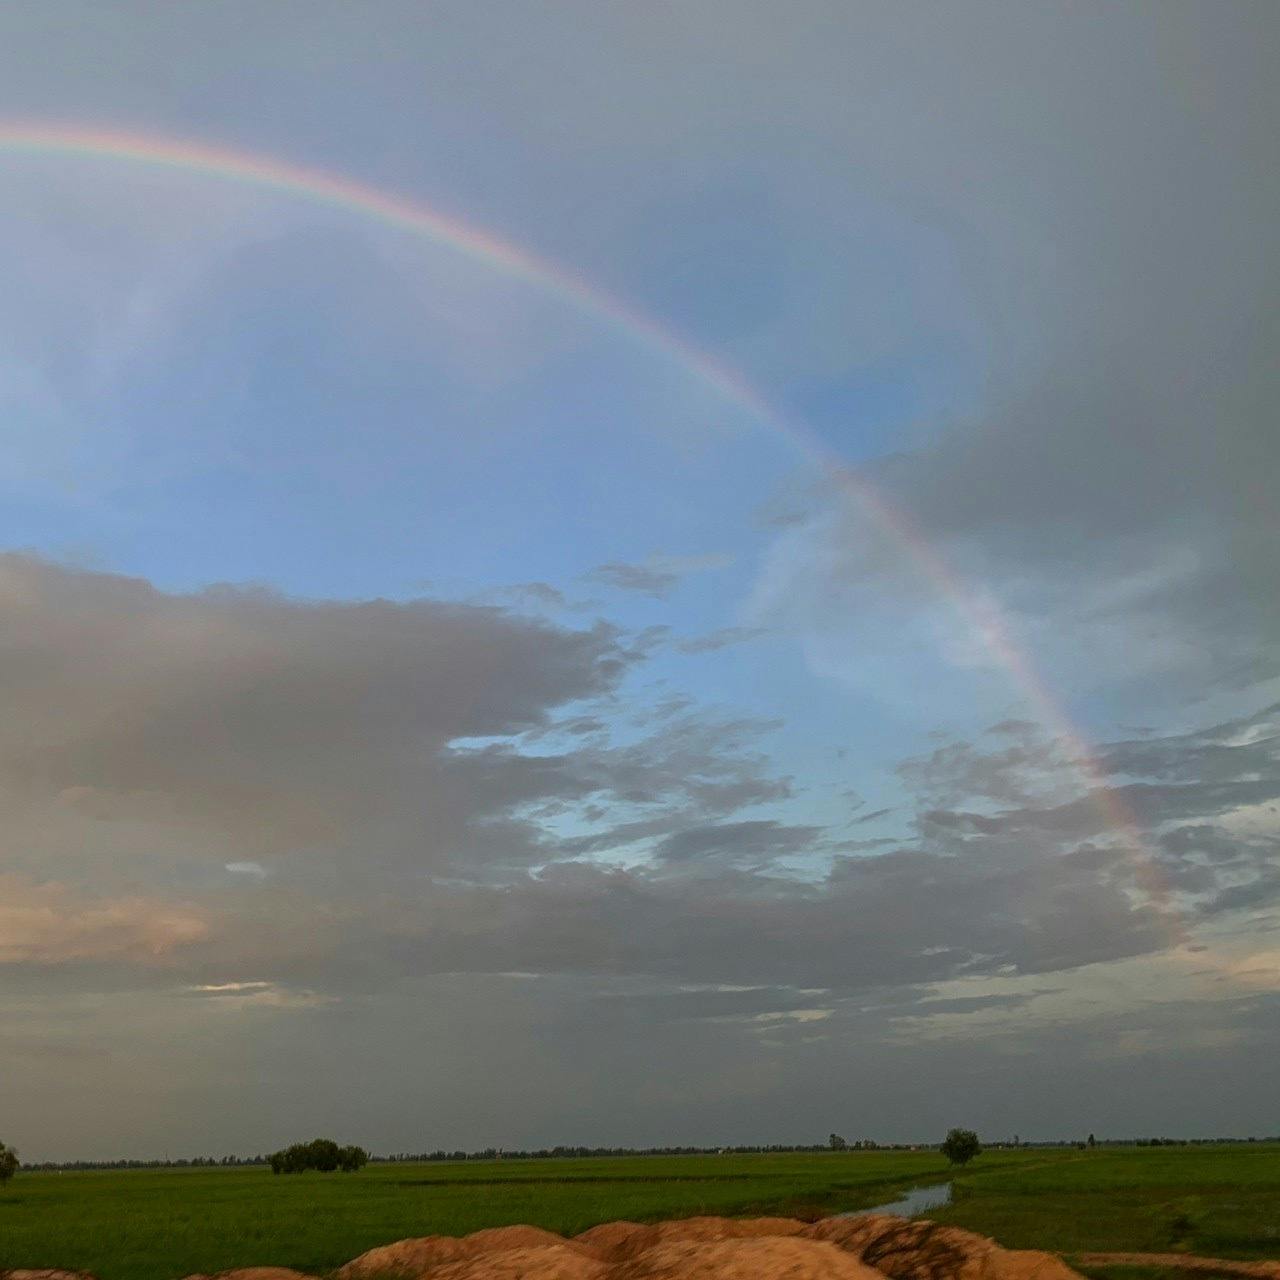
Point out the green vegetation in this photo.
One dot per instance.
(322, 1155)
(1219, 1201)
(961, 1145)
(161, 1224)
(8, 1163)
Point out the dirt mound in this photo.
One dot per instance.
(417, 1257)
(51, 1273)
(497, 1239)
(255, 1273)
(433, 1255)
(1027, 1264)
(618, 1241)
(761, 1257)
(539, 1262)
(917, 1249)
(907, 1249)
(612, 1239)
(867, 1247)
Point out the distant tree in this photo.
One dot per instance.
(1093, 1142)
(961, 1145)
(8, 1163)
(325, 1155)
(837, 1143)
(321, 1154)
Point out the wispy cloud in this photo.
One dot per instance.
(656, 576)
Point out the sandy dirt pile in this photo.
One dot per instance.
(867, 1247)
(51, 1273)
(863, 1248)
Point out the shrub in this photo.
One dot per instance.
(8, 1163)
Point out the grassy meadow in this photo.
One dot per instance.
(163, 1224)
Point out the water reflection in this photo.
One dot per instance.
(917, 1200)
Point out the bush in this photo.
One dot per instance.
(321, 1154)
(961, 1145)
(8, 1163)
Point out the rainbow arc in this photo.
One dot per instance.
(979, 615)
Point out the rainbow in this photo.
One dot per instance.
(414, 218)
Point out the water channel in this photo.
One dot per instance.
(917, 1200)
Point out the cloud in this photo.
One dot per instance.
(260, 995)
(250, 727)
(424, 779)
(701, 950)
(254, 870)
(713, 641)
(757, 842)
(229, 988)
(657, 576)
(48, 924)
(871, 817)
(1105, 489)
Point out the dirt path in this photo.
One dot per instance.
(1183, 1262)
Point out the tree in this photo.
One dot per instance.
(1093, 1142)
(321, 1154)
(8, 1163)
(836, 1142)
(961, 1145)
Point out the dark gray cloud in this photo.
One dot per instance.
(246, 726)
(738, 843)
(1112, 490)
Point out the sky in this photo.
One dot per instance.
(627, 574)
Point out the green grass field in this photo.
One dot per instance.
(160, 1225)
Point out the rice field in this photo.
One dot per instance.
(163, 1224)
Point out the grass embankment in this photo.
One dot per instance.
(163, 1224)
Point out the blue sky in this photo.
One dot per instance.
(348, 578)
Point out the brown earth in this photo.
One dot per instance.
(867, 1247)
(49, 1273)
(1184, 1262)
(253, 1273)
(432, 1255)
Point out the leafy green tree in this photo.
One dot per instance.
(836, 1142)
(8, 1163)
(321, 1154)
(324, 1154)
(961, 1145)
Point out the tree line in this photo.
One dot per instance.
(584, 1152)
